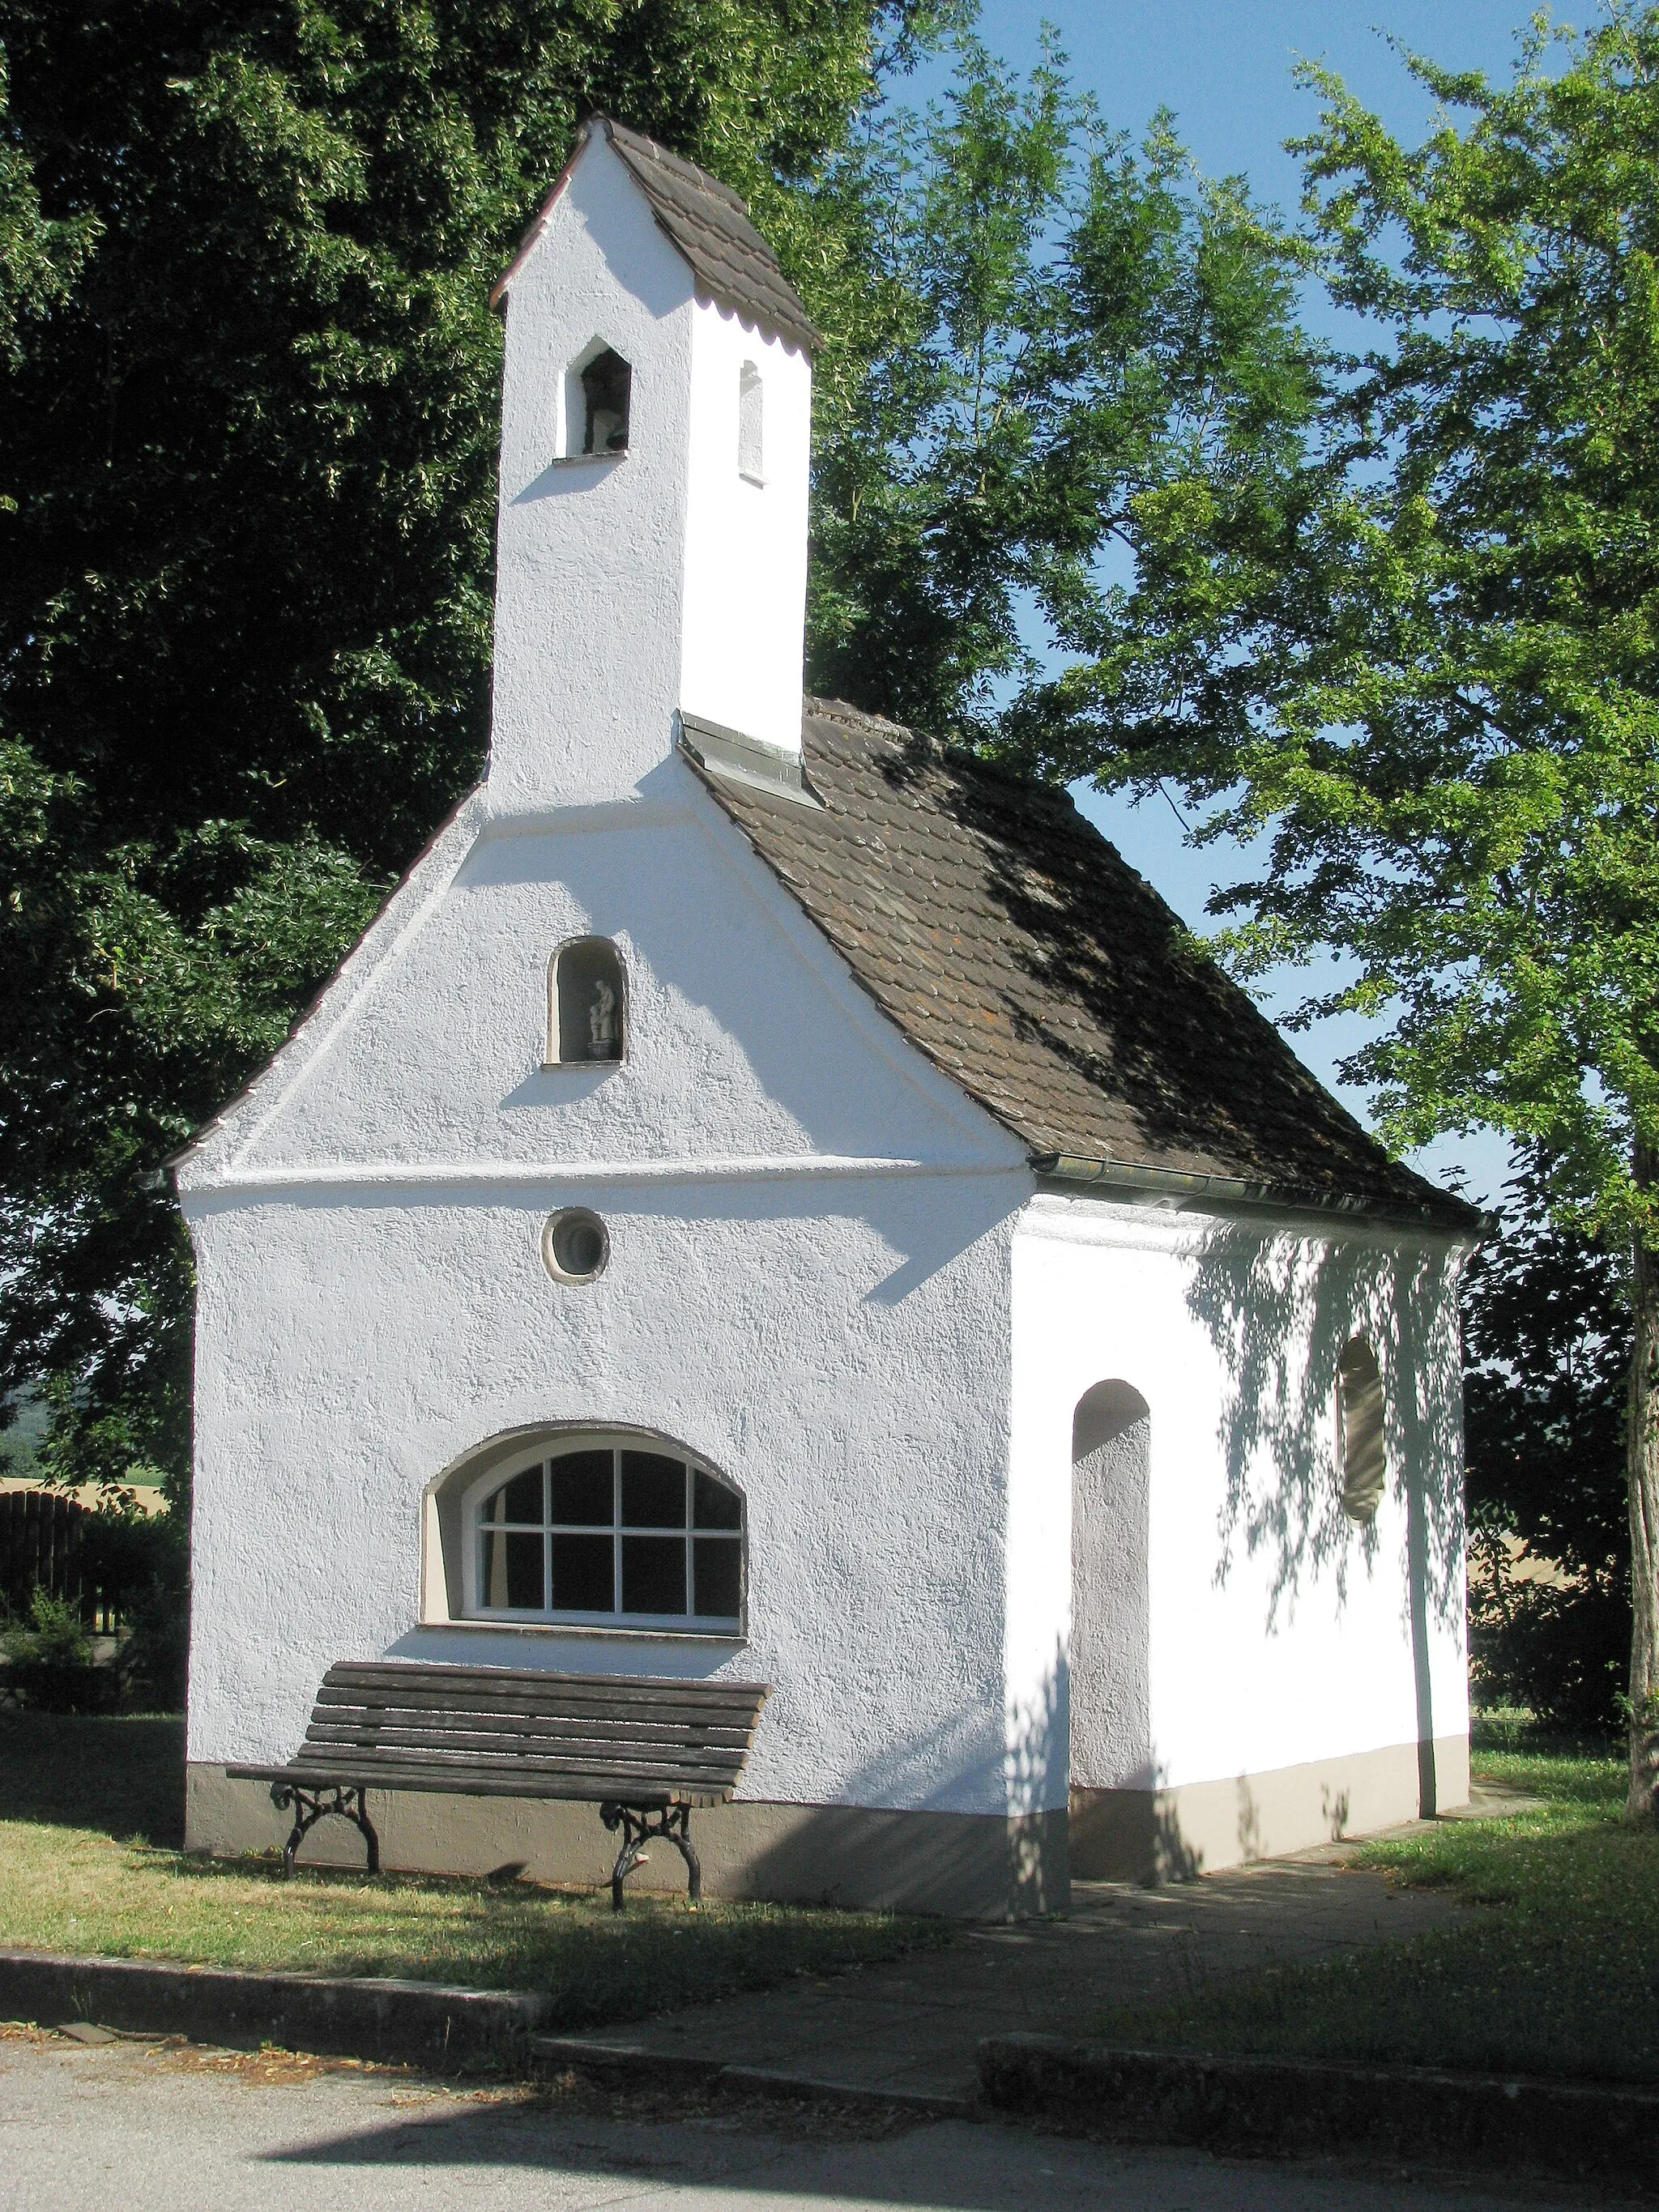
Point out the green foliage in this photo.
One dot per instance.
(247, 441)
(1546, 1344)
(1056, 325)
(53, 1637)
(1414, 640)
(250, 420)
(148, 1562)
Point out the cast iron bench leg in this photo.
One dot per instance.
(311, 1805)
(639, 1824)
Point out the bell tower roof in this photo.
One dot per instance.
(708, 226)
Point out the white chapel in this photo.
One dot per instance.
(773, 1199)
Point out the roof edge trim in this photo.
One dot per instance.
(532, 238)
(1196, 1185)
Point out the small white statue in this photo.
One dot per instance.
(602, 1023)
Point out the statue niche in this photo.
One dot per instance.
(586, 1003)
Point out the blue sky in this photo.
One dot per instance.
(1224, 68)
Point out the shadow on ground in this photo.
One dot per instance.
(121, 1777)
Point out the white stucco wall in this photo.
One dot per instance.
(809, 1284)
(629, 587)
(1280, 1633)
(590, 553)
(745, 571)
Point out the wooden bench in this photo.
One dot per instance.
(646, 1750)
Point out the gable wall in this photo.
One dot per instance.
(809, 1283)
(746, 1038)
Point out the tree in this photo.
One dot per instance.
(1420, 651)
(251, 420)
(247, 436)
(1055, 321)
(1545, 1356)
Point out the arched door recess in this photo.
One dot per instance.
(1110, 1699)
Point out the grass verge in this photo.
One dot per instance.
(89, 1863)
(1557, 1974)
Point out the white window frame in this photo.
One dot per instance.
(617, 1442)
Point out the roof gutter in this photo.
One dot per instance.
(1177, 1184)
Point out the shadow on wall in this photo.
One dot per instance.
(1282, 1312)
(874, 1852)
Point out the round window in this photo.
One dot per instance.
(575, 1246)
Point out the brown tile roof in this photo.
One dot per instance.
(709, 227)
(1009, 942)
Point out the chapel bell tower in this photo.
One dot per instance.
(656, 424)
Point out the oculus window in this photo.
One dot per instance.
(1360, 1454)
(587, 1002)
(575, 1245)
(605, 1532)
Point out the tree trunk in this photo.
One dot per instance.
(1642, 1458)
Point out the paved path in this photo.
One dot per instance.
(913, 2027)
(150, 2129)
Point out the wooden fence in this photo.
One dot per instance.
(45, 1544)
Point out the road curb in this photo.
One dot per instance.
(1591, 2130)
(632, 2063)
(397, 2023)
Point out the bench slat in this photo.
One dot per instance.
(545, 1757)
(474, 1714)
(329, 1723)
(425, 1779)
(525, 1741)
(449, 1680)
(463, 1698)
(609, 1779)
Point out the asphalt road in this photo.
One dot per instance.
(148, 2127)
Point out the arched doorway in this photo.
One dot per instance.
(1111, 1700)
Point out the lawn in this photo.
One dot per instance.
(1557, 1973)
(89, 1863)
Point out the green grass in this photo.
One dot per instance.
(1557, 1974)
(89, 1831)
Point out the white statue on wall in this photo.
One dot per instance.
(602, 1023)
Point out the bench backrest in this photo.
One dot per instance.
(513, 1732)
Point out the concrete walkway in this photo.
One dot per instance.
(912, 2028)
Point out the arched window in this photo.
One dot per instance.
(1361, 1459)
(598, 394)
(587, 1002)
(597, 1529)
(751, 449)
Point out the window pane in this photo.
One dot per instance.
(519, 1500)
(654, 1574)
(582, 1575)
(511, 1571)
(582, 1490)
(717, 1507)
(653, 1494)
(718, 1564)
